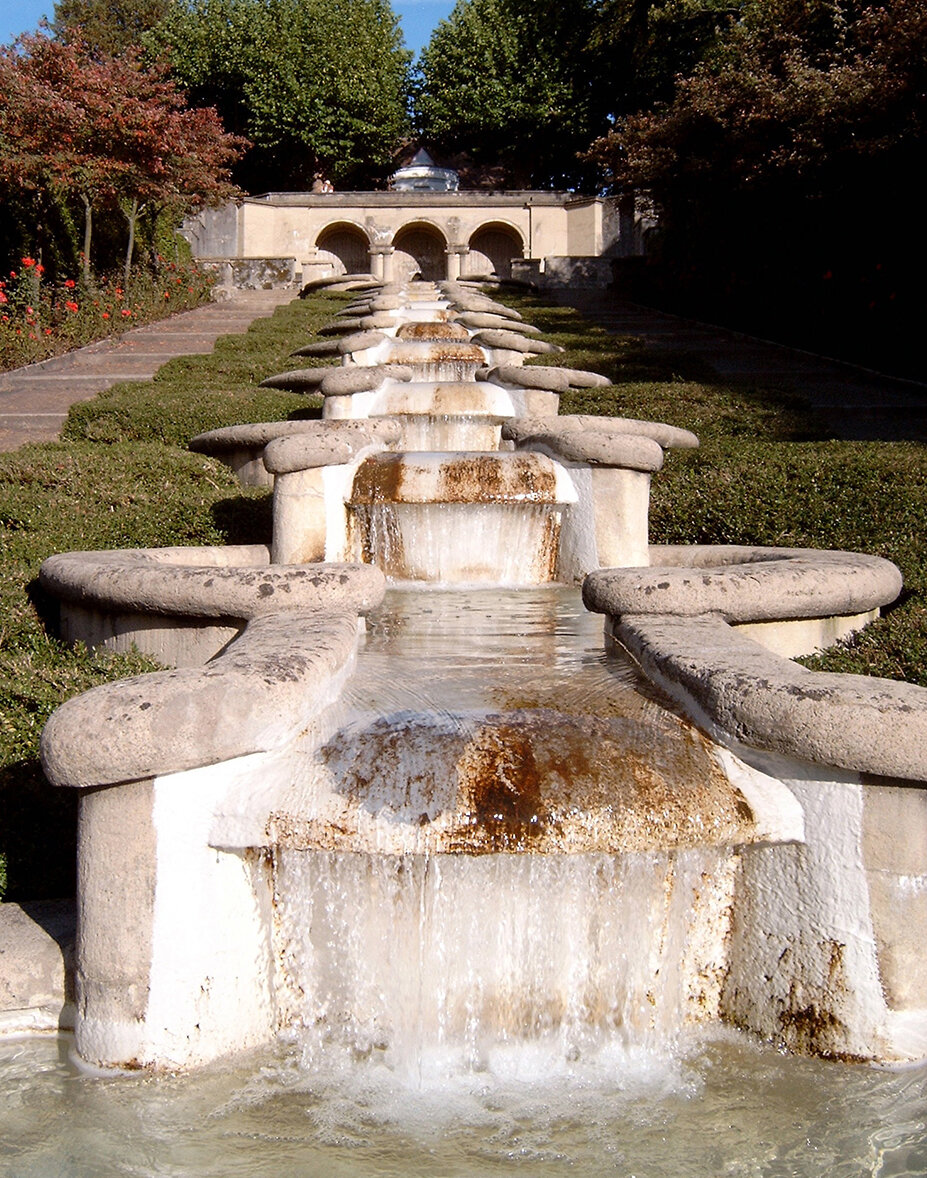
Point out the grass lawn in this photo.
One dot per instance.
(122, 477)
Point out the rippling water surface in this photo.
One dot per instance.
(721, 1106)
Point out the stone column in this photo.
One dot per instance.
(378, 261)
(455, 255)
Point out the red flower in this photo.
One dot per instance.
(28, 262)
(40, 269)
(126, 313)
(3, 298)
(71, 305)
(106, 314)
(70, 283)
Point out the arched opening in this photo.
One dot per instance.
(419, 249)
(492, 248)
(348, 247)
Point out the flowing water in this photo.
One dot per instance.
(721, 1105)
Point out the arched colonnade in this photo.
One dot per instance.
(420, 248)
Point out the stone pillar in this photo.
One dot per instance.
(381, 261)
(455, 255)
(378, 261)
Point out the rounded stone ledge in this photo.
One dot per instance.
(258, 694)
(342, 326)
(342, 443)
(744, 584)
(167, 582)
(322, 347)
(620, 451)
(296, 380)
(551, 379)
(342, 382)
(511, 341)
(484, 319)
(349, 323)
(468, 299)
(434, 331)
(257, 435)
(670, 437)
(853, 722)
(336, 281)
(361, 341)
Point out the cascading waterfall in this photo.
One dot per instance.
(418, 958)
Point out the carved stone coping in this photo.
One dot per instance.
(511, 341)
(588, 448)
(342, 382)
(538, 376)
(343, 443)
(234, 582)
(257, 435)
(322, 347)
(297, 380)
(853, 722)
(345, 324)
(484, 319)
(745, 584)
(361, 341)
(737, 687)
(667, 436)
(467, 299)
(261, 691)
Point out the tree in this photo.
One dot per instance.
(107, 132)
(507, 82)
(107, 27)
(772, 162)
(315, 85)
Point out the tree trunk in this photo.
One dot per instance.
(88, 229)
(132, 217)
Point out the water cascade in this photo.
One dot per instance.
(413, 808)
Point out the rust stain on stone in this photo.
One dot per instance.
(493, 478)
(433, 331)
(378, 480)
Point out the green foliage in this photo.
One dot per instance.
(501, 82)
(316, 85)
(108, 26)
(768, 167)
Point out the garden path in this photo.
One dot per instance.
(34, 401)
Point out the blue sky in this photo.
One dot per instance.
(418, 17)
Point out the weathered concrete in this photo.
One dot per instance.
(37, 966)
(183, 605)
(670, 437)
(537, 376)
(241, 447)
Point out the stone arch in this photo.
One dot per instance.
(347, 245)
(492, 248)
(420, 248)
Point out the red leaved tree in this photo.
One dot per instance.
(108, 132)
